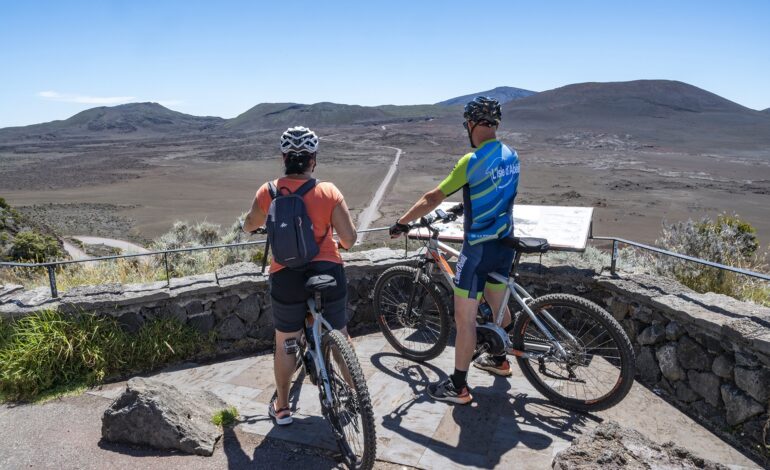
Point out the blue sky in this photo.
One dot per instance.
(220, 58)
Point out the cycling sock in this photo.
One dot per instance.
(459, 379)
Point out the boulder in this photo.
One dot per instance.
(225, 306)
(692, 355)
(723, 366)
(611, 446)
(203, 322)
(158, 415)
(653, 334)
(706, 385)
(647, 366)
(755, 382)
(685, 393)
(674, 331)
(738, 405)
(231, 328)
(249, 308)
(669, 364)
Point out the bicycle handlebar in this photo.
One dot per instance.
(439, 215)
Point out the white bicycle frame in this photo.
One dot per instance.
(315, 352)
(435, 250)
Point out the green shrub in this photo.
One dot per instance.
(49, 350)
(35, 247)
(727, 240)
(3, 204)
(186, 235)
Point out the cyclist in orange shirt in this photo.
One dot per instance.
(327, 210)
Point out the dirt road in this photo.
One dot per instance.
(371, 214)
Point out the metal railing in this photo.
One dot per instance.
(617, 241)
(52, 265)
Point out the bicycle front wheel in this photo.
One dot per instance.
(419, 333)
(350, 415)
(599, 366)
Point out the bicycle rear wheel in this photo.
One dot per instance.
(422, 332)
(599, 369)
(350, 415)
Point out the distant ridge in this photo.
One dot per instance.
(124, 119)
(766, 111)
(277, 115)
(503, 94)
(662, 112)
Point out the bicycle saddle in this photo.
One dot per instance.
(320, 283)
(527, 244)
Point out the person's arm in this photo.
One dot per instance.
(256, 216)
(430, 200)
(423, 206)
(343, 225)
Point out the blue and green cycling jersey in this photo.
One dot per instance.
(489, 178)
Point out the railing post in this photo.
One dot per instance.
(52, 281)
(165, 263)
(614, 261)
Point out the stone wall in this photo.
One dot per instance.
(707, 353)
(232, 302)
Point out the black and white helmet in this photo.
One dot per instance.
(299, 139)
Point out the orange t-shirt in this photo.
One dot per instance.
(320, 202)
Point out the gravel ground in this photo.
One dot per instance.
(66, 434)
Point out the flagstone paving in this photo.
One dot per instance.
(508, 424)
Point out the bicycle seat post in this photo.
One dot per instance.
(318, 302)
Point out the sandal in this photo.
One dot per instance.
(281, 416)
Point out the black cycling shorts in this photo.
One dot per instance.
(288, 295)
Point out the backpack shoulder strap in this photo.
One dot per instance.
(272, 189)
(306, 186)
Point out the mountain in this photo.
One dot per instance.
(658, 112)
(278, 115)
(122, 120)
(766, 111)
(503, 94)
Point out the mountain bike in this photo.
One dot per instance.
(569, 348)
(328, 360)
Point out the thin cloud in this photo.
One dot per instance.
(84, 99)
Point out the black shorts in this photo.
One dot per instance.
(288, 295)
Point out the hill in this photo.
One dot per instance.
(122, 120)
(503, 94)
(657, 112)
(278, 115)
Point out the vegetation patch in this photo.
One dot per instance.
(727, 240)
(49, 351)
(225, 417)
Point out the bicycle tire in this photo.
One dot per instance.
(384, 313)
(613, 330)
(363, 402)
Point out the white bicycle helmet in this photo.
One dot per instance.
(299, 139)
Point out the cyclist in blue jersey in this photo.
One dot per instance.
(488, 177)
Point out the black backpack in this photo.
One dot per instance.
(289, 228)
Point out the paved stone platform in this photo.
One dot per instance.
(509, 425)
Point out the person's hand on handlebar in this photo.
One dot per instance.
(457, 209)
(259, 231)
(397, 229)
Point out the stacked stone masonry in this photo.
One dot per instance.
(707, 353)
